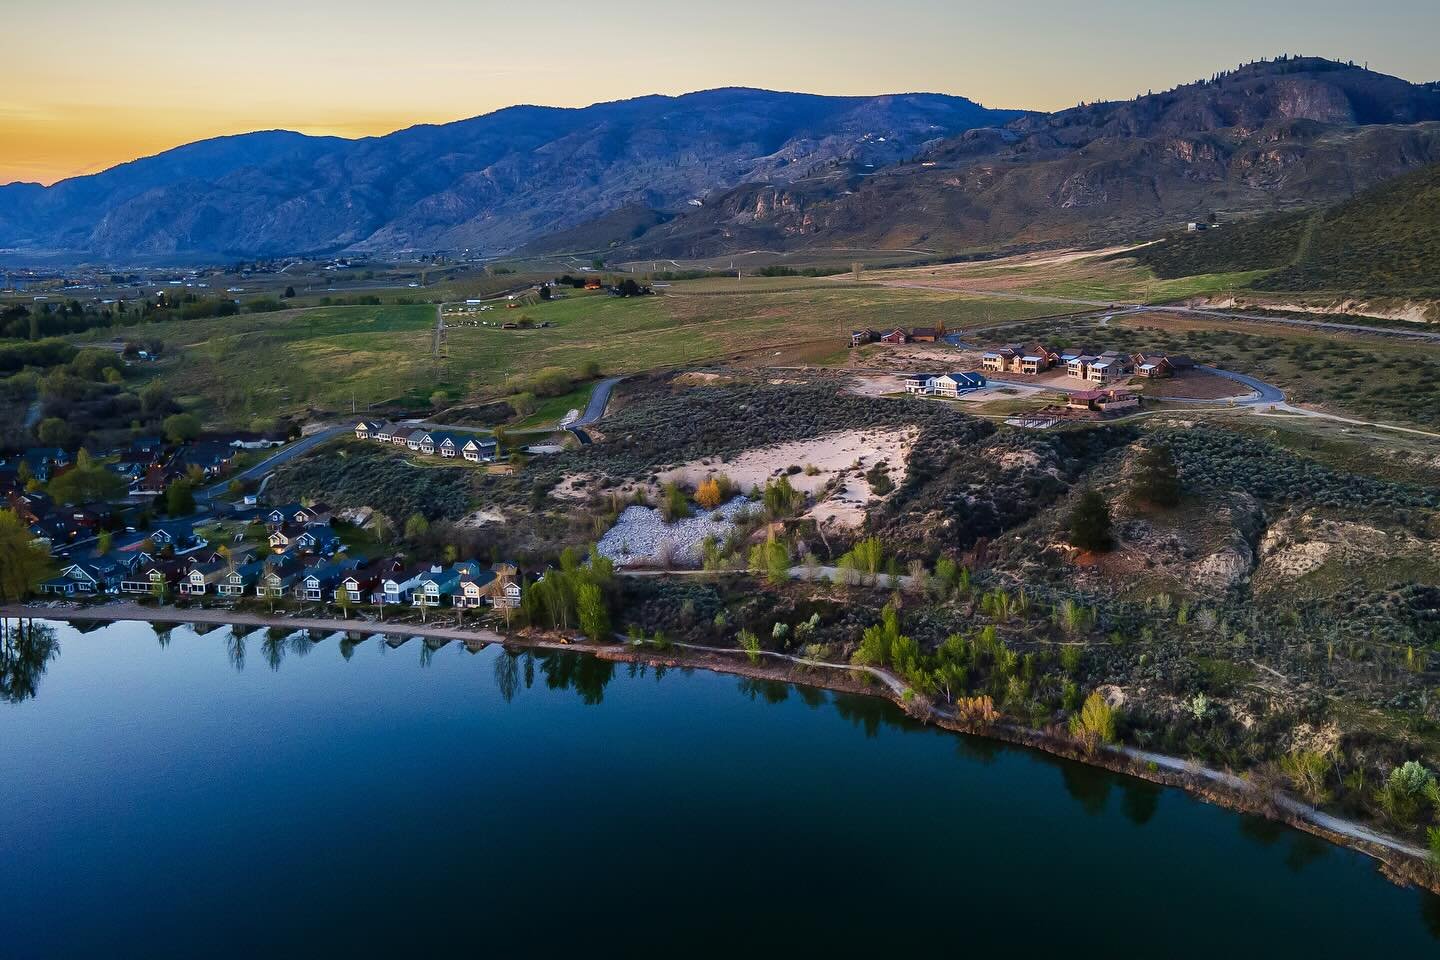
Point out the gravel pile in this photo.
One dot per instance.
(641, 537)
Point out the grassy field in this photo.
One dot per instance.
(236, 369)
(550, 410)
(1093, 277)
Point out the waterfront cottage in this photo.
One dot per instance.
(479, 451)
(199, 579)
(237, 582)
(279, 578)
(77, 578)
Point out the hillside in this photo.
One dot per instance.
(1268, 137)
(491, 183)
(1385, 242)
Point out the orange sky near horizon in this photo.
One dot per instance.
(94, 84)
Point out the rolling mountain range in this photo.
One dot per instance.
(724, 170)
(1271, 136)
(490, 183)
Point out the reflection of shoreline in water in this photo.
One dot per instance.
(588, 675)
(26, 651)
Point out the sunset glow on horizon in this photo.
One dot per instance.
(96, 84)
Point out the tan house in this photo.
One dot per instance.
(1029, 358)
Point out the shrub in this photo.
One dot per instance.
(750, 643)
(1307, 771)
(878, 477)
(674, 506)
(1408, 788)
(781, 499)
(708, 494)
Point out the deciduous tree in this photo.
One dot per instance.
(23, 564)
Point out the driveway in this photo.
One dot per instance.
(1264, 392)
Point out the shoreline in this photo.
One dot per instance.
(1400, 862)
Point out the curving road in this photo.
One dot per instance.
(1264, 393)
(599, 400)
(283, 455)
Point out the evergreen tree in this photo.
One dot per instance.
(1157, 480)
(1090, 523)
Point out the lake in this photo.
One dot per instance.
(168, 793)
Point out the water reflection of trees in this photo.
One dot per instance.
(26, 649)
(1139, 800)
(872, 713)
(1087, 786)
(771, 691)
(586, 675)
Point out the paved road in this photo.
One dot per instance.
(284, 455)
(1264, 393)
(599, 400)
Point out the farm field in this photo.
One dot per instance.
(235, 369)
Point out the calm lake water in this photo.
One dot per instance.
(178, 794)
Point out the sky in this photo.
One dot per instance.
(86, 84)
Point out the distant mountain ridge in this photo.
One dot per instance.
(734, 169)
(1270, 136)
(491, 183)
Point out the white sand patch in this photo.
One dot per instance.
(481, 517)
(846, 454)
(876, 385)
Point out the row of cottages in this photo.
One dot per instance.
(1029, 358)
(943, 385)
(859, 338)
(465, 585)
(432, 442)
(1106, 367)
(314, 578)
